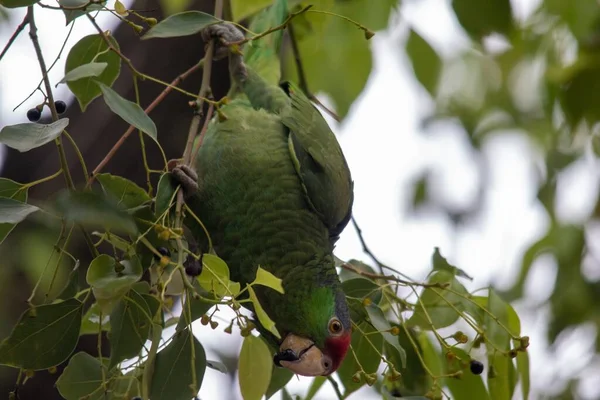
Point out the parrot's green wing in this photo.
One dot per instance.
(319, 161)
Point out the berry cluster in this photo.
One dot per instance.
(35, 113)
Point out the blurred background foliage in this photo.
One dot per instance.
(538, 77)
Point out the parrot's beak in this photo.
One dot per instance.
(302, 357)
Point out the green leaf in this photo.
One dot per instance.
(111, 280)
(578, 85)
(81, 378)
(95, 209)
(13, 211)
(361, 288)
(165, 194)
(173, 379)
(480, 18)
(241, 9)
(581, 16)
(264, 319)
(182, 24)
(85, 71)
(174, 6)
(501, 377)
(430, 354)
(44, 337)
(127, 193)
(131, 112)
(432, 359)
(130, 325)
(438, 306)
(89, 49)
(215, 275)
(13, 190)
(380, 323)
(425, 61)
(29, 135)
(368, 348)
(72, 285)
(125, 387)
(342, 45)
(70, 15)
(17, 3)
(279, 378)
(265, 278)
(496, 333)
(153, 304)
(255, 365)
(441, 264)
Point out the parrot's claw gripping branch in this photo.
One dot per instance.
(187, 177)
(225, 34)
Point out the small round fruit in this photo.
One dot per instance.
(163, 252)
(34, 115)
(193, 267)
(476, 367)
(61, 106)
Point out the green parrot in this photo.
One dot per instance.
(273, 189)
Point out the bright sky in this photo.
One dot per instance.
(387, 149)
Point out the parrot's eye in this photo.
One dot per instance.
(335, 326)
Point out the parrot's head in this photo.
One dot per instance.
(321, 334)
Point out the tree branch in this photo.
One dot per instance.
(15, 35)
(50, 97)
(148, 109)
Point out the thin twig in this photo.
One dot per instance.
(298, 61)
(16, 33)
(38, 51)
(279, 27)
(209, 114)
(393, 278)
(148, 109)
(336, 387)
(302, 81)
(39, 85)
(365, 248)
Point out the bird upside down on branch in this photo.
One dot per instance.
(272, 187)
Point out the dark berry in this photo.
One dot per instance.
(61, 106)
(34, 115)
(193, 267)
(136, 398)
(163, 252)
(476, 367)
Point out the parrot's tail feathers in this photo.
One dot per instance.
(262, 55)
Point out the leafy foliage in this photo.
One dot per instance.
(397, 324)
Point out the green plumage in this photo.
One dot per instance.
(275, 191)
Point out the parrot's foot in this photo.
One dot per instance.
(187, 178)
(227, 34)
